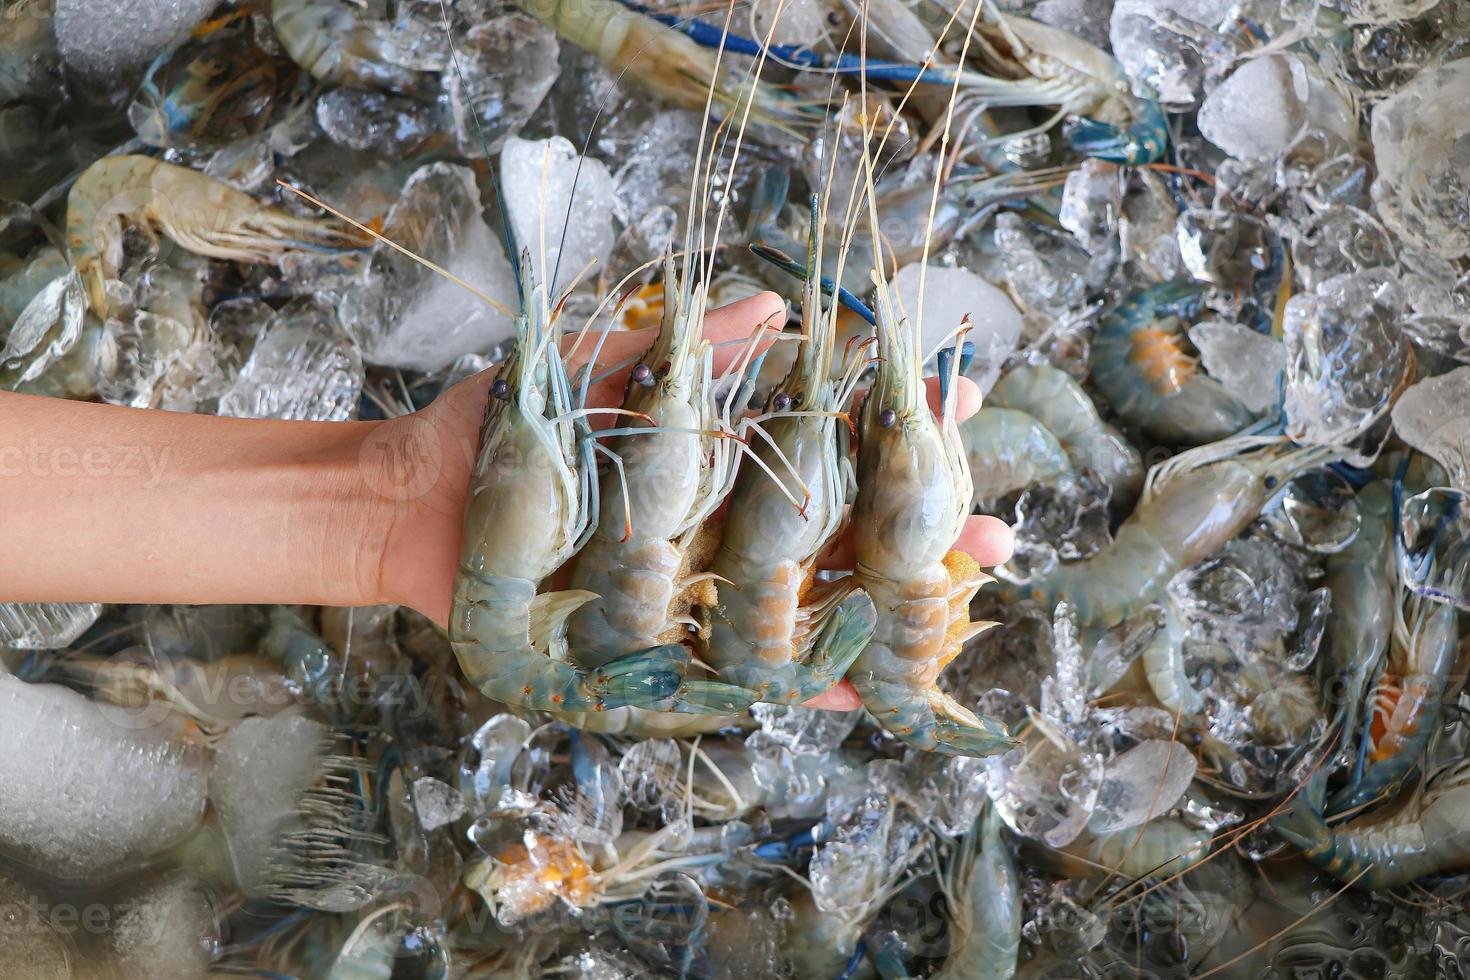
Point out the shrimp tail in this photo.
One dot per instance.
(959, 731)
(706, 697)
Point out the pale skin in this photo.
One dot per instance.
(107, 504)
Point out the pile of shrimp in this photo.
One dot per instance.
(1207, 278)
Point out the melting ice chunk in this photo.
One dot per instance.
(573, 217)
(1433, 416)
(1246, 362)
(951, 294)
(1421, 142)
(261, 768)
(110, 41)
(302, 367)
(1256, 112)
(84, 794)
(405, 315)
(1142, 783)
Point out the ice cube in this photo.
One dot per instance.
(363, 119)
(1433, 416)
(1421, 142)
(1346, 355)
(302, 367)
(1142, 783)
(1092, 204)
(1257, 111)
(1157, 43)
(109, 42)
(438, 804)
(567, 227)
(45, 625)
(1248, 363)
(404, 315)
(166, 931)
(505, 67)
(262, 766)
(89, 791)
(950, 295)
(1340, 240)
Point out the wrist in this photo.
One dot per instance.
(411, 481)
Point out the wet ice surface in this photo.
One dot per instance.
(355, 807)
(560, 205)
(950, 295)
(1433, 416)
(91, 792)
(110, 44)
(405, 315)
(1258, 110)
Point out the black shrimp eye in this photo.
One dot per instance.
(887, 417)
(643, 374)
(1271, 482)
(782, 401)
(500, 388)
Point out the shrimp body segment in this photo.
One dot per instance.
(1141, 369)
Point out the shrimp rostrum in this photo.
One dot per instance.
(530, 504)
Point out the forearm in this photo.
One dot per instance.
(99, 503)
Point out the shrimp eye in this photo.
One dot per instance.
(887, 417)
(643, 375)
(782, 401)
(500, 388)
(1271, 482)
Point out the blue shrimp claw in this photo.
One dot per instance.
(1143, 142)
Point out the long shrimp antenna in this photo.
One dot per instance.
(437, 269)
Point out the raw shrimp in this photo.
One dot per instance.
(1404, 712)
(1360, 578)
(528, 509)
(1141, 370)
(984, 902)
(666, 62)
(913, 496)
(1190, 507)
(203, 215)
(1163, 665)
(334, 45)
(1010, 450)
(773, 629)
(213, 92)
(1034, 65)
(668, 477)
(1428, 835)
(1058, 402)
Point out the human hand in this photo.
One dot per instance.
(432, 452)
